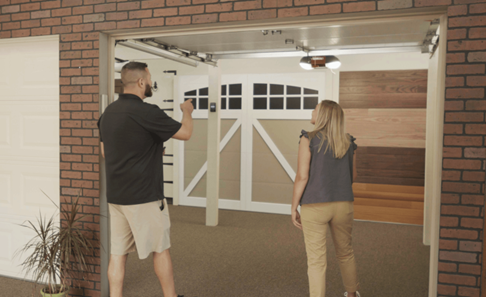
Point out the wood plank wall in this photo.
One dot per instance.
(386, 112)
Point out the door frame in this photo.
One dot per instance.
(107, 55)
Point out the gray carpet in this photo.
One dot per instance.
(254, 254)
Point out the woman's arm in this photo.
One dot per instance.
(301, 179)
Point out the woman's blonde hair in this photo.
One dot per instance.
(330, 126)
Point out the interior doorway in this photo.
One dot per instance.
(241, 113)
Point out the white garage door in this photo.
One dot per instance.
(29, 140)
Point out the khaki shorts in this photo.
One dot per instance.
(140, 227)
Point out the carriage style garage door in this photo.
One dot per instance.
(29, 140)
(261, 119)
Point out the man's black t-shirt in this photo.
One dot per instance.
(133, 133)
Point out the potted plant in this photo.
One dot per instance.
(58, 256)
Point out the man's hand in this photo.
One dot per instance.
(187, 106)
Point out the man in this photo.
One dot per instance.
(132, 134)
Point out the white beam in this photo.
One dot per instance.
(214, 132)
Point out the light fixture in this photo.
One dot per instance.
(305, 63)
(330, 62)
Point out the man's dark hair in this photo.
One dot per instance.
(133, 67)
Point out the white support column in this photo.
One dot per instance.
(214, 131)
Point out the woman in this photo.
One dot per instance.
(323, 187)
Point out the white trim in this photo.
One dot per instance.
(223, 203)
(282, 114)
(271, 145)
(30, 39)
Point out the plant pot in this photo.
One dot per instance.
(62, 294)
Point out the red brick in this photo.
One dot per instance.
(71, 124)
(449, 221)
(473, 199)
(474, 152)
(64, 81)
(193, 9)
(462, 164)
(194, 2)
(128, 24)
(82, 149)
(83, 28)
(205, 18)
(10, 9)
(477, 8)
(293, 12)
(153, 4)
(105, 7)
(10, 26)
(50, 4)
(458, 234)
(94, 18)
(69, 20)
(64, 64)
(477, 57)
(448, 244)
(82, 132)
(168, 12)
(128, 5)
(91, 141)
(6, 18)
(472, 223)
(220, 7)
(468, 291)
(67, 3)
(457, 279)
(456, 34)
(453, 128)
(105, 26)
(91, 159)
(153, 22)
(91, 36)
(90, 53)
(70, 158)
(65, 132)
(70, 106)
(19, 16)
(449, 198)
(467, 45)
(465, 93)
(30, 24)
(465, 69)
(325, 9)
(456, 58)
(71, 140)
(470, 21)
(451, 175)
(61, 12)
(40, 14)
(40, 31)
(248, 5)
(458, 257)
(178, 21)
(476, 81)
(277, 3)
(179, 2)
(457, 10)
(452, 152)
(91, 2)
(232, 16)
(91, 71)
(454, 105)
(91, 175)
(464, 117)
(30, 7)
(82, 115)
(473, 176)
(70, 174)
(86, 9)
(116, 16)
(476, 105)
(470, 269)
(139, 14)
(448, 267)
(90, 89)
(70, 191)
(446, 290)
(83, 167)
(90, 124)
(457, 187)
(65, 182)
(64, 148)
(51, 22)
(262, 14)
(82, 63)
(359, 6)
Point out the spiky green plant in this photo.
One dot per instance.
(58, 256)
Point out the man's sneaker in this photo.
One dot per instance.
(357, 294)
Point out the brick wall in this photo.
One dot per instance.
(78, 21)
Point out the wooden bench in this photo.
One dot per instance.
(389, 203)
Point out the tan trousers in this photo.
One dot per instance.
(315, 221)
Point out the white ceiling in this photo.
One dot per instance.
(402, 33)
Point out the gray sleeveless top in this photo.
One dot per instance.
(330, 179)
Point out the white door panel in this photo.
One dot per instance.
(29, 141)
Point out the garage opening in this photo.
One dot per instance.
(386, 84)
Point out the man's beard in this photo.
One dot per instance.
(148, 91)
